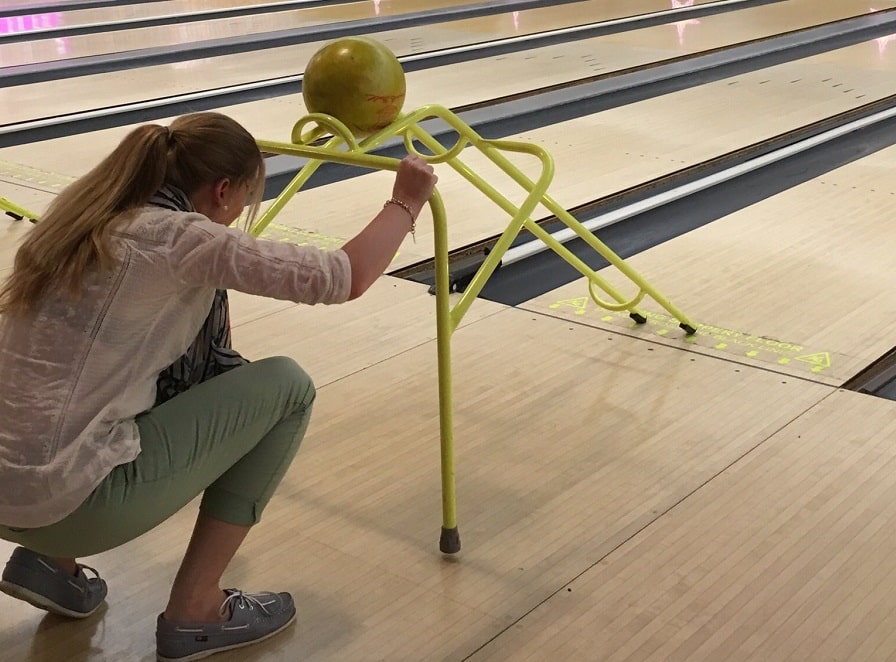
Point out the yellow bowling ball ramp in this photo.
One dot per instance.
(343, 147)
(15, 211)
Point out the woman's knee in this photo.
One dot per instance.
(290, 376)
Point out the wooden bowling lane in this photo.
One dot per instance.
(455, 85)
(570, 441)
(130, 11)
(796, 283)
(595, 155)
(613, 150)
(46, 50)
(98, 91)
(61, 16)
(786, 555)
(367, 331)
(43, 50)
(694, 35)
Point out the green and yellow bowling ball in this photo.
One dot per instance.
(357, 80)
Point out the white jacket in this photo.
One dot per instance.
(75, 373)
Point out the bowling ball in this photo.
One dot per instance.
(358, 81)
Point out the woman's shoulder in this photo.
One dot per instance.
(158, 225)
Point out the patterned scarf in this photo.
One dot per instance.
(210, 354)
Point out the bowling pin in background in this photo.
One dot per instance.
(376, 7)
(516, 21)
(682, 25)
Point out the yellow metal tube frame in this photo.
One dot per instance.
(12, 209)
(343, 148)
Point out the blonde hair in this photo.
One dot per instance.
(73, 237)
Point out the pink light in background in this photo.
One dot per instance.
(682, 25)
(24, 24)
(16, 24)
(376, 7)
(516, 21)
(882, 42)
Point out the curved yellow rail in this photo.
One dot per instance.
(12, 209)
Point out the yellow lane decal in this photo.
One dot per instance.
(52, 182)
(277, 232)
(757, 347)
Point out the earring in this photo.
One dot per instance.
(226, 208)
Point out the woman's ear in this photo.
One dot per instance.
(221, 190)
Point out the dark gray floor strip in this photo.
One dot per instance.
(888, 390)
(878, 379)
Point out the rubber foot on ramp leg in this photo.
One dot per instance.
(449, 542)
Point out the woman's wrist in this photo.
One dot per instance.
(411, 213)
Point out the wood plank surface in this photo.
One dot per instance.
(569, 441)
(786, 555)
(796, 282)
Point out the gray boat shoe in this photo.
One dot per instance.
(253, 617)
(38, 580)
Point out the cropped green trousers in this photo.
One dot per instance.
(231, 439)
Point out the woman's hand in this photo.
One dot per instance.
(414, 182)
(371, 251)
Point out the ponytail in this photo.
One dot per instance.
(74, 236)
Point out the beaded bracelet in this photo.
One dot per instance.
(407, 208)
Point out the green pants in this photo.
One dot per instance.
(231, 438)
